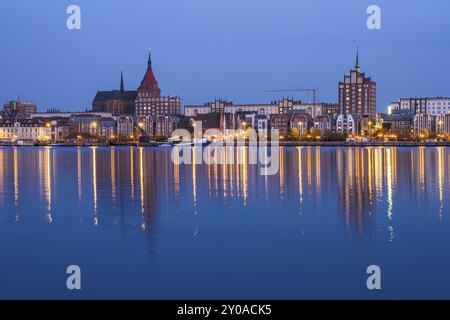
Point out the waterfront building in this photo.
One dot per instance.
(95, 126)
(440, 124)
(262, 124)
(432, 106)
(282, 106)
(423, 121)
(105, 128)
(116, 102)
(286, 106)
(60, 127)
(393, 106)
(301, 121)
(398, 120)
(414, 105)
(350, 124)
(83, 124)
(25, 129)
(267, 109)
(280, 122)
(146, 125)
(323, 123)
(125, 126)
(259, 122)
(318, 109)
(58, 115)
(18, 110)
(165, 125)
(445, 124)
(149, 100)
(438, 106)
(195, 110)
(358, 93)
(211, 121)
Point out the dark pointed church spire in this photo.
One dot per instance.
(149, 59)
(149, 82)
(357, 67)
(122, 87)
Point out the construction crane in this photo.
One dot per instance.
(314, 91)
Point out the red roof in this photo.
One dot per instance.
(149, 82)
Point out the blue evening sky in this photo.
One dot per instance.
(234, 49)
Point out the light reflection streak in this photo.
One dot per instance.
(440, 170)
(48, 184)
(2, 175)
(244, 174)
(309, 166)
(79, 174)
(318, 168)
(194, 177)
(132, 171)
(176, 173)
(300, 178)
(141, 178)
(142, 173)
(94, 184)
(16, 177)
(113, 174)
(388, 163)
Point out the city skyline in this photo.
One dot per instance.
(199, 65)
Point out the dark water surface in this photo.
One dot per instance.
(141, 227)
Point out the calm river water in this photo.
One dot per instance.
(141, 227)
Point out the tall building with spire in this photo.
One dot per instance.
(122, 87)
(358, 93)
(149, 101)
(117, 102)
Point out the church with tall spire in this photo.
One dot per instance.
(116, 102)
(146, 100)
(149, 85)
(149, 101)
